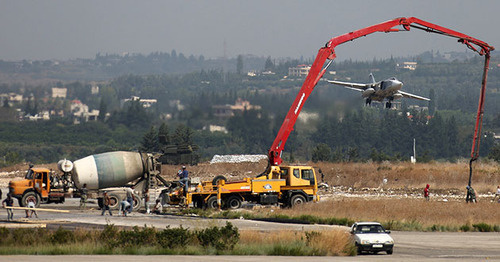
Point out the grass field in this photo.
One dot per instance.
(226, 240)
(405, 214)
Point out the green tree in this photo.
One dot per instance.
(495, 153)
(150, 141)
(239, 65)
(322, 152)
(102, 111)
(432, 102)
(183, 135)
(164, 134)
(269, 66)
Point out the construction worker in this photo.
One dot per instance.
(124, 206)
(9, 202)
(471, 195)
(497, 194)
(130, 198)
(83, 196)
(426, 192)
(31, 204)
(105, 204)
(157, 209)
(183, 178)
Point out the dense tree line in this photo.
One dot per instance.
(345, 130)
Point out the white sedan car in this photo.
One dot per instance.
(372, 237)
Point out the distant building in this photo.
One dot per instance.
(408, 65)
(12, 98)
(230, 110)
(176, 104)
(215, 128)
(146, 103)
(81, 112)
(59, 92)
(94, 89)
(44, 115)
(418, 108)
(300, 70)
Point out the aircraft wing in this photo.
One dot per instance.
(408, 95)
(354, 86)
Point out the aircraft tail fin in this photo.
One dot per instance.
(372, 78)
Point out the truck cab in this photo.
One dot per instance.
(301, 184)
(37, 186)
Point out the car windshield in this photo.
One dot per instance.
(369, 229)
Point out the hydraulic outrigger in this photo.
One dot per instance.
(328, 53)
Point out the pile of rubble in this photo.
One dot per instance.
(237, 158)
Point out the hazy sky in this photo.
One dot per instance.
(66, 29)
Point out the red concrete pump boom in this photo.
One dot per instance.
(328, 53)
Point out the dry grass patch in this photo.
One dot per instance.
(486, 175)
(421, 213)
(325, 243)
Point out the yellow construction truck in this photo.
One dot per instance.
(40, 185)
(285, 185)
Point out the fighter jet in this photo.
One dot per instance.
(389, 89)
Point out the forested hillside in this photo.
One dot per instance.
(340, 127)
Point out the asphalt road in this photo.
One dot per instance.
(409, 246)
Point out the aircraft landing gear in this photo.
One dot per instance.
(388, 105)
(368, 102)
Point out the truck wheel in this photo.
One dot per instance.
(114, 201)
(28, 196)
(137, 203)
(198, 203)
(212, 202)
(216, 180)
(233, 202)
(297, 200)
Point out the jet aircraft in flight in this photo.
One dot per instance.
(389, 89)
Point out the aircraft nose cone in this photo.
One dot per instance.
(397, 84)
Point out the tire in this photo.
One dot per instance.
(359, 249)
(297, 200)
(198, 203)
(389, 252)
(216, 180)
(30, 195)
(114, 201)
(212, 203)
(233, 202)
(137, 202)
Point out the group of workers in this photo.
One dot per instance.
(470, 196)
(126, 206)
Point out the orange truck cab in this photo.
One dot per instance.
(36, 186)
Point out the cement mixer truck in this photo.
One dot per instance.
(107, 171)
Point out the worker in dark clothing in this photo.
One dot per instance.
(471, 195)
(9, 202)
(183, 178)
(83, 196)
(105, 202)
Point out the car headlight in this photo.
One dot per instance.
(365, 242)
(389, 242)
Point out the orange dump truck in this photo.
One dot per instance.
(39, 185)
(285, 185)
